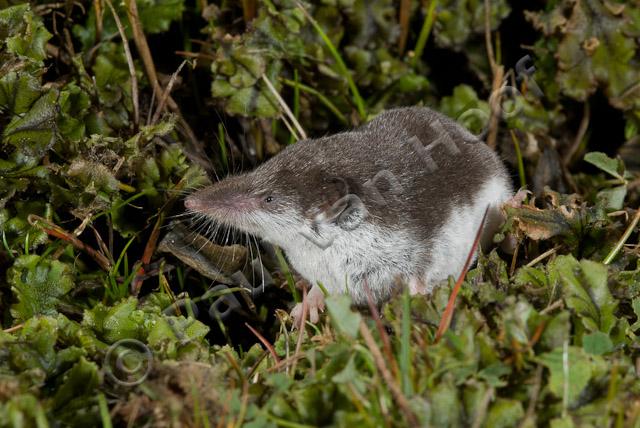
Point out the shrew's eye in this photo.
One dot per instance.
(268, 199)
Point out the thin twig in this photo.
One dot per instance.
(58, 232)
(481, 413)
(265, 342)
(150, 248)
(143, 47)
(97, 6)
(487, 36)
(623, 239)
(286, 362)
(245, 389)
(248, 10)
(12, 329)
(629, 91)
(498, 74)
(197, 55)
(68, 43)
(102, 245)
(77, 232)
(243, 404)
(619, 213)
(445, 321)
(386, 375)
(324, 100)
(514, 258)
(285, 107)
(537, 334)
(386, 343)
(582, 130)
(553, 306)
(150, 69)
(289, 127)
(357, 99)
(301, 329)
(542, 256)
(132, 68)
(166, 93)
(43, 9)
(495, 104)
(569, 179)
(403, 20)
(533, 401)
(133, 416)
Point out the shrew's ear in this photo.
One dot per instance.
(338, 200)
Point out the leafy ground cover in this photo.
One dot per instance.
(114, 312)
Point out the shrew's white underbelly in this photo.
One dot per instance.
(367, 257)
(374, 257)
(452, 243)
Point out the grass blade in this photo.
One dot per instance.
(625, 236)
(405, 345)
(357, 99)
(521, 174)
(445, 321)
(104, 411)
(287, 273)
(424, 32)
(324, 100)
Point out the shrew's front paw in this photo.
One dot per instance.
(315, 305)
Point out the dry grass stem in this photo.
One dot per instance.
(386, 375)
(301, 134)
(166, 93)
(132, 68)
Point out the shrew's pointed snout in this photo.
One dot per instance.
(220, 201)
(192, 203)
